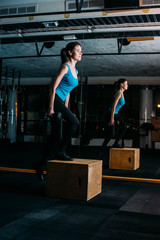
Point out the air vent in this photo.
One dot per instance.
(23, 9)
(87, 4)
(150, 2)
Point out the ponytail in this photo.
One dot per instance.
(64, 57)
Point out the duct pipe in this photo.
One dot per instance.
(146, 112)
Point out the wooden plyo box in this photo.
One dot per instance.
(79, 179)
(124, 158)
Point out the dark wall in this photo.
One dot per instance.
(120, 3)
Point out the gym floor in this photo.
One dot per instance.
(124, 210)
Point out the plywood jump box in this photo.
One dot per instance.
(124, 158)
(79, 179)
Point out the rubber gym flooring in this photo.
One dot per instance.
(125, 209)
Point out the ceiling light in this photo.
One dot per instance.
(51, 24)
(90, 29)
(19, 33)
(69, 37)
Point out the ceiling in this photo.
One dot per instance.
(114, 45)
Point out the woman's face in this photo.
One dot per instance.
(76, 53)
(125, 85)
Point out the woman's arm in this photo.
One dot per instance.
(117, 97)
(62, 72)
(67, 100)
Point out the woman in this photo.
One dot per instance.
(113, 115)
(60, 90)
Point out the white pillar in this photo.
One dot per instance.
(12, 118)
(146, 112)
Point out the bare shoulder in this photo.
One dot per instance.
(63, 70)
(118, 94)
(64, 67)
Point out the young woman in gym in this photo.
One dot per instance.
(113, 116)
(65, 81)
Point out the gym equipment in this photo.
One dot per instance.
(79, 179)
(124, 158)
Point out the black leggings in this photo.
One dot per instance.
(71, 122)
(110, 130)
(56, 141)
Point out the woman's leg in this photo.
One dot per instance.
(52, 142)
(109, 133)
(123, 128)
(55, 138)
(71, 121)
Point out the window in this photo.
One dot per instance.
(87, 4)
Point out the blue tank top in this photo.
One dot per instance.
(66, 85)
(120, 103)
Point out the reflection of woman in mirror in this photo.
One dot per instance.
(61, 87)
(113, 116)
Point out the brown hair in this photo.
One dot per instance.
(117, 84)
(64, 52)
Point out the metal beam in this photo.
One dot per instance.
(119, 46)
(84, 30)
(37, 49)
(85, 11)
(87, 54)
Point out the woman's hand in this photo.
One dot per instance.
(50, 112)
(112, 122)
